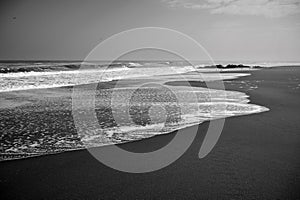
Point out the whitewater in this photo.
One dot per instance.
(125, 113)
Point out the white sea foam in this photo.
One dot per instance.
(211, 104)
(207, 111)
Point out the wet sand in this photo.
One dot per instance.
(256, 157)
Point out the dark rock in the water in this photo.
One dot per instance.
(232, 66)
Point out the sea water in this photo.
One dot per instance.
(139, 106)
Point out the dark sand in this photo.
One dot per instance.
(256, 157)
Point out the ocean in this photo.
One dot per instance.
(133, 101)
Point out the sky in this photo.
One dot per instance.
(233, 30)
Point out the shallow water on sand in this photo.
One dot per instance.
(42, 121)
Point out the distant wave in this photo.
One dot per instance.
(16, 67)
(88, 73)
(36, 75)
(39, 80)
(7, 68)
(35, 67)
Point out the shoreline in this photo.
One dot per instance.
(64, 94)
(256, 157)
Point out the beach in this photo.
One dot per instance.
(256, 157)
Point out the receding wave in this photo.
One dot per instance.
(47, 126)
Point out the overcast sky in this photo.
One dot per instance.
(253, 30)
